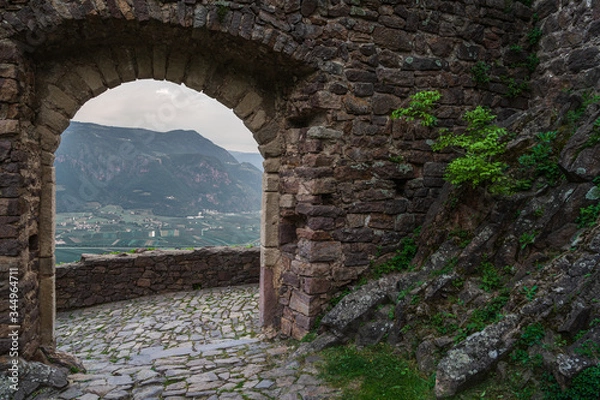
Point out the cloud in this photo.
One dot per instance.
(164, 106)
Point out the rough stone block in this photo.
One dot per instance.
(61, 100)
(9, 90)
(52, 119)
(9, 126)
(125, 63)
(316, 285)
(143, 57)
(248, 104)
(159, 62)
(47, 304)
(9, 207)
(92, 78)
(353, 308)
(197, 73)
(256, 121)
(302, 302)
(321, 132)
(106, 66)
(287, 201)
(475, 356)
(272, 149)
(233, 90)
(50, 139)
(272, 165)
(327, 100)
(269, 257)
(318, 186)
(313, 251)
(310, 269)
(176, 67)
(10, 247)
(393, 39)
(270, 183)
(270, 220)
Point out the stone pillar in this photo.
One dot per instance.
(270, 255)
(47, 261)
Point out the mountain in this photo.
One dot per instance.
(253, 158)
(173, 173)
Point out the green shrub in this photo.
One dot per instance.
(479, 145)
(461, 237)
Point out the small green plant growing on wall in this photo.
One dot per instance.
(527, 238)
(480, 72)
(222, 9)
(514, 87)
(490, 279)
(530, 292)
(587, 99)
(534, 36)
(420, 106)
(594, 138)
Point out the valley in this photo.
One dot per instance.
(111, 228)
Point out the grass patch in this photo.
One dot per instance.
(374, 373)
(401, 260)
(588, 216)
(490, 279)
(543, 158)
(585, 386)
(482, 317)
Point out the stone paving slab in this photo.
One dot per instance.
(205, 344)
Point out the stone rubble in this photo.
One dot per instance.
(204, 344)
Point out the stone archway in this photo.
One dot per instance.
(66, 83)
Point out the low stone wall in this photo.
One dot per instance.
(102, 279)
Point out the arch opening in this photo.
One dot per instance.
(134, 171)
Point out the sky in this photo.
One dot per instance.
(163, 106)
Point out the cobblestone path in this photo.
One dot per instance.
(204, 344)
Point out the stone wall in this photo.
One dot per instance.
(106, 278)
(315, 81)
